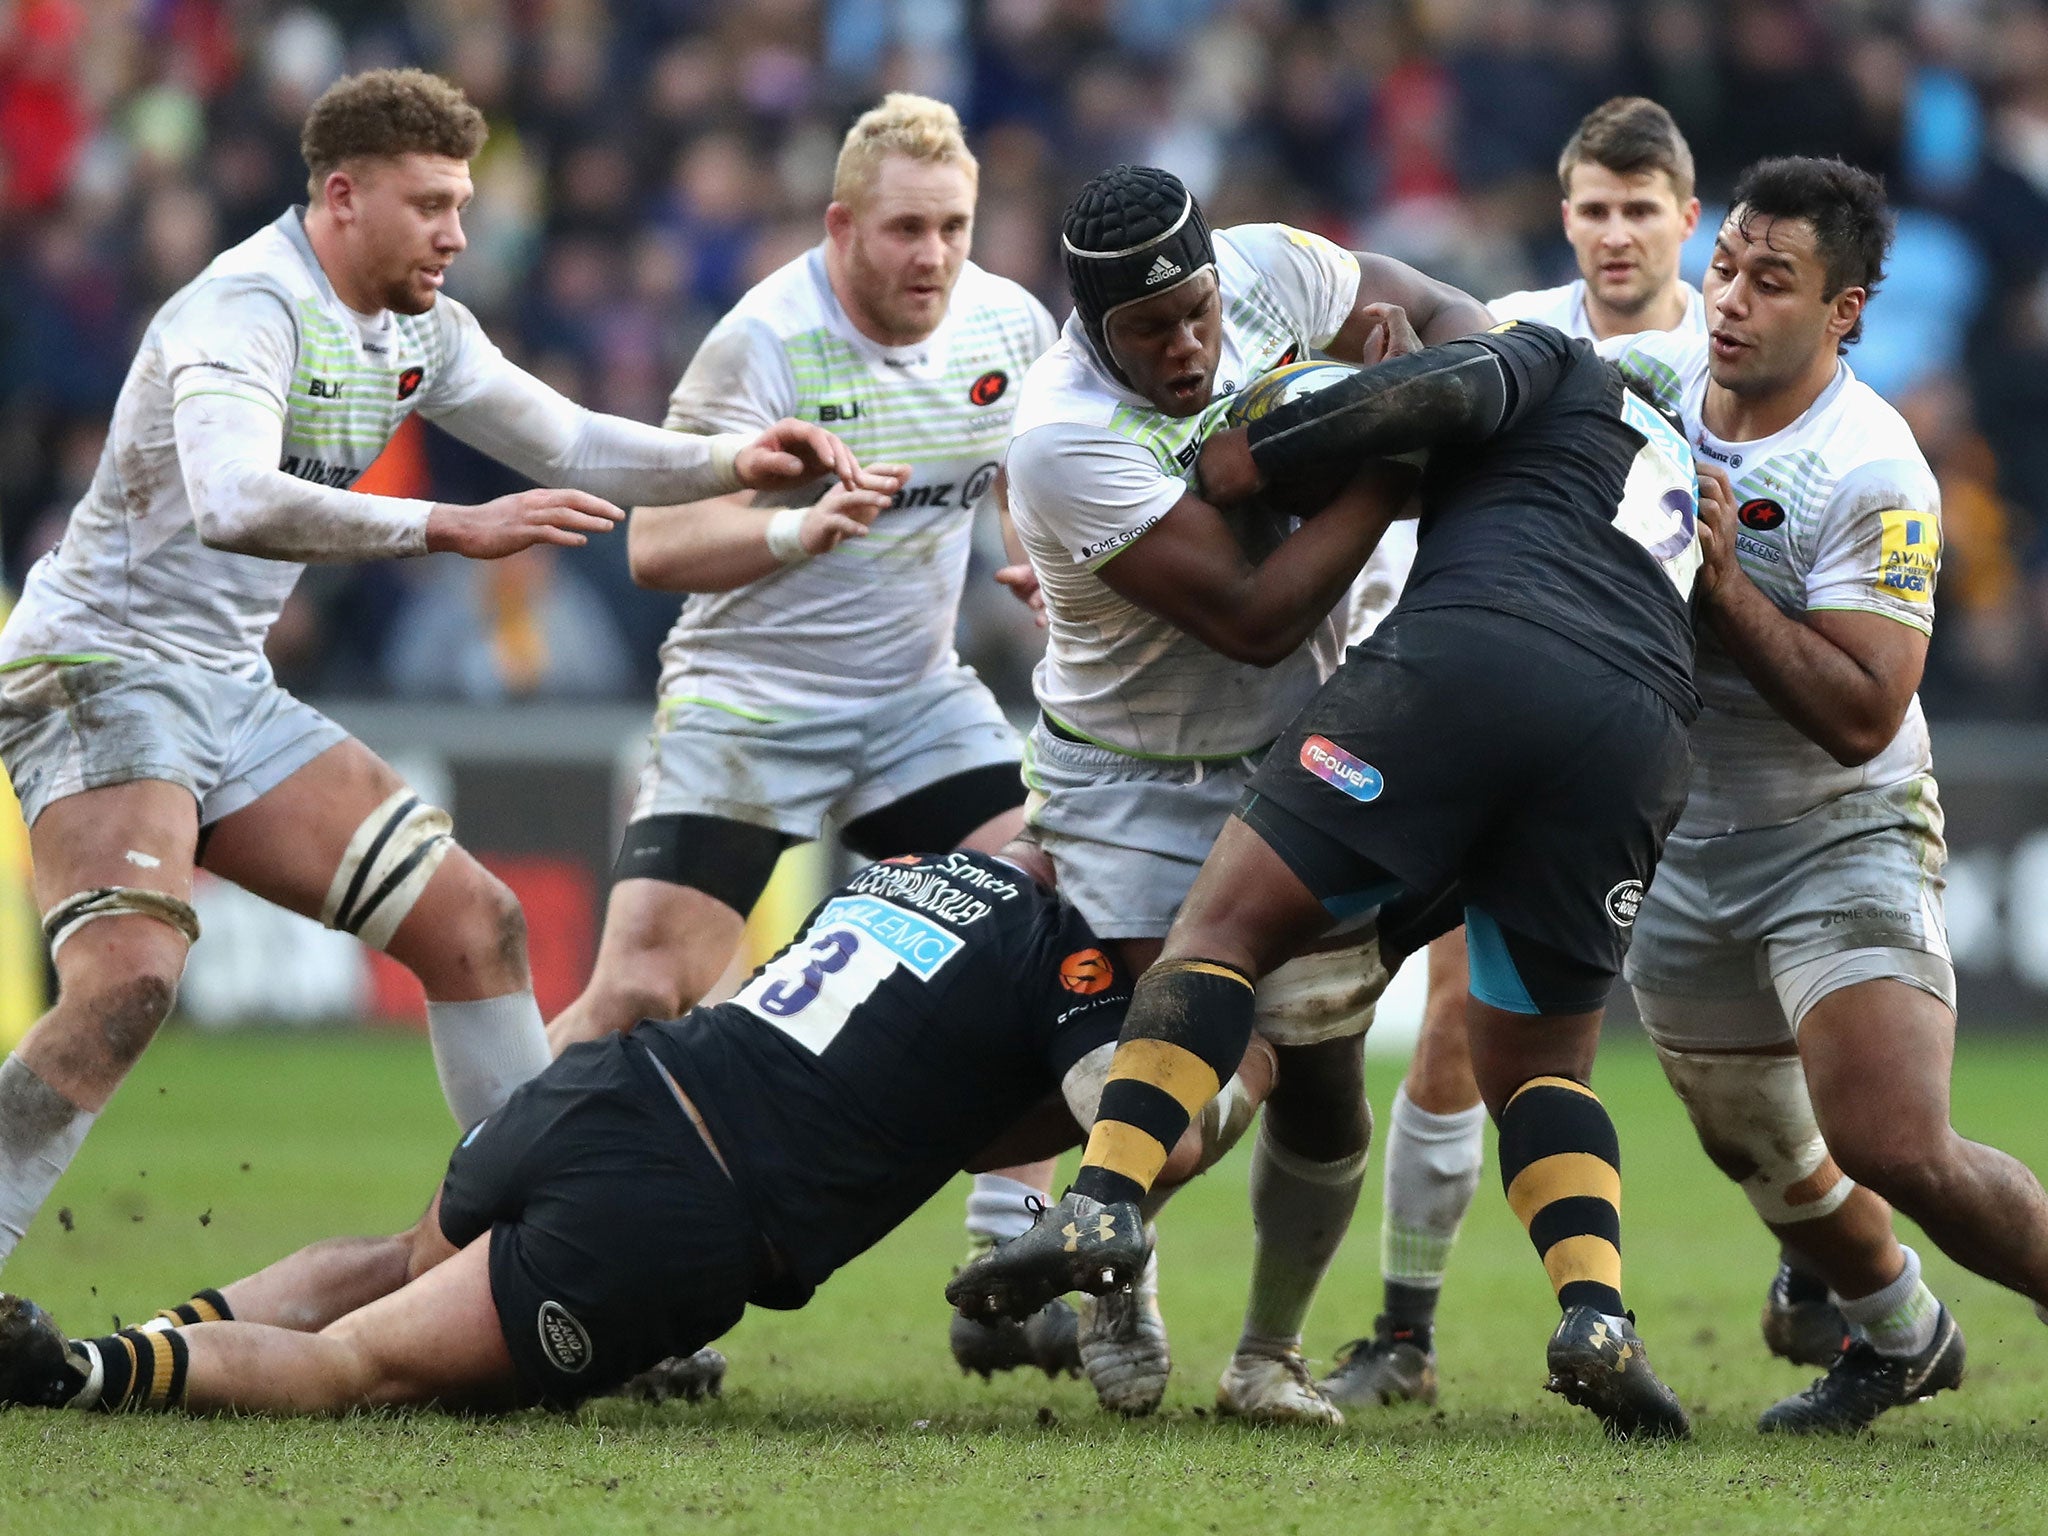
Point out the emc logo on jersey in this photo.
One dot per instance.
(1332, 764)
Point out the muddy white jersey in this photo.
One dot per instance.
(1094, 465)
(1838, 512)
(1564, 307)
(875, 614)
(131, 577)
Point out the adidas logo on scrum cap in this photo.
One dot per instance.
(1162, 269)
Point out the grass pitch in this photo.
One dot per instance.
(222, 1153)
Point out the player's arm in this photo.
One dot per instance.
(1843, 678)
(229, 449)
(1438, 312)
(1190, 570)
(727, 542)
(1020, 576)
(1463, 391)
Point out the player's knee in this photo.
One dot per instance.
(1755, 1121)
(475, 941)
(1911, 1171)
(127, 1013)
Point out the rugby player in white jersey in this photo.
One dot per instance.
(1628, 208)
(804, 684)
(139, 721)
(1790, 961)
(1174, 658)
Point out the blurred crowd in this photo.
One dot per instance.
(651, 159)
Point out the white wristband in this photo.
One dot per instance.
(786, 536)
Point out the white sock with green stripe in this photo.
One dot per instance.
(1432, 1173)
(1900, 1319)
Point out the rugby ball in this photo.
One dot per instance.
(1309, 494)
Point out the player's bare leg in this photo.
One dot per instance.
(664, 948)
(436, 1340)
(1435, 1144)
(117, 974)
(330, 841)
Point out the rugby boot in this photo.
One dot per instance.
(1274, 1389)
(38, 1366)
(1077, 1245)
(1862, 1384)
(1805, 1330)
(1046, 1339)
(1123, 1346)
(1388, 1368)
(1598, 1362)
(690, 1377)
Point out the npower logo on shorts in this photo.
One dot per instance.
(1331, 763)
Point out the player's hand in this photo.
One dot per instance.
(793, 453)
(1022, 580)
(1391, 335)
(1225, 470)
(839, 515)
(519, 521)
(1717, 531)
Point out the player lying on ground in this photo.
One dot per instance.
(804, 685)
(1511, 742)
(629, 1203)
(139, 720)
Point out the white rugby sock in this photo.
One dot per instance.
(1433, 1164)
(1900, 1319)
(996, 1209)
(1300, 1212)
(40, 1132)
(483, 1050)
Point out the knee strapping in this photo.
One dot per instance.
(1752, 1113)
(386, 866)
(74, 912)
(1327, 995)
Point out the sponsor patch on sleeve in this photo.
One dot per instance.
(1908, 555)
(1333, 765)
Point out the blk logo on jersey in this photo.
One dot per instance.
(1762, 514)
(565, 1341)
(1086, 972)
(847, 412)
(1333, 765)
(1908, 555)
(988, 389)
(1624, 902)
(409, 381)
(326, 389)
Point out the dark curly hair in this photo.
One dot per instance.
(388, 112)
(1845, 206)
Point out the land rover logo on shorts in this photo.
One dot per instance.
(563, 1339)
(1332, 764)
(1624, 902)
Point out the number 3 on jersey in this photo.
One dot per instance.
(811, 989)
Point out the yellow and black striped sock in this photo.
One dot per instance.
(204, 1307)
(1561, 1163)
(141, 1369)
(1186, 1032)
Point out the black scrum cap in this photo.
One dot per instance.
(1131, 232)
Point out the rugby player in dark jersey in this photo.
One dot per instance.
(628, 1204)
(1508, 749)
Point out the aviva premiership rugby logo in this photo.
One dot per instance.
(1333, 765)
(1908, 555)
(563, 1340)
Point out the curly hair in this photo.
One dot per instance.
(387, 112)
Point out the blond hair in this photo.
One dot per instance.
(384, 113)
(917, 127)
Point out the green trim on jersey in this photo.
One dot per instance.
(1882, 613)
(1154, 757)
(57, 659)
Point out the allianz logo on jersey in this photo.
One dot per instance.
(919, 943)
(941, 495)
(320, 472)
